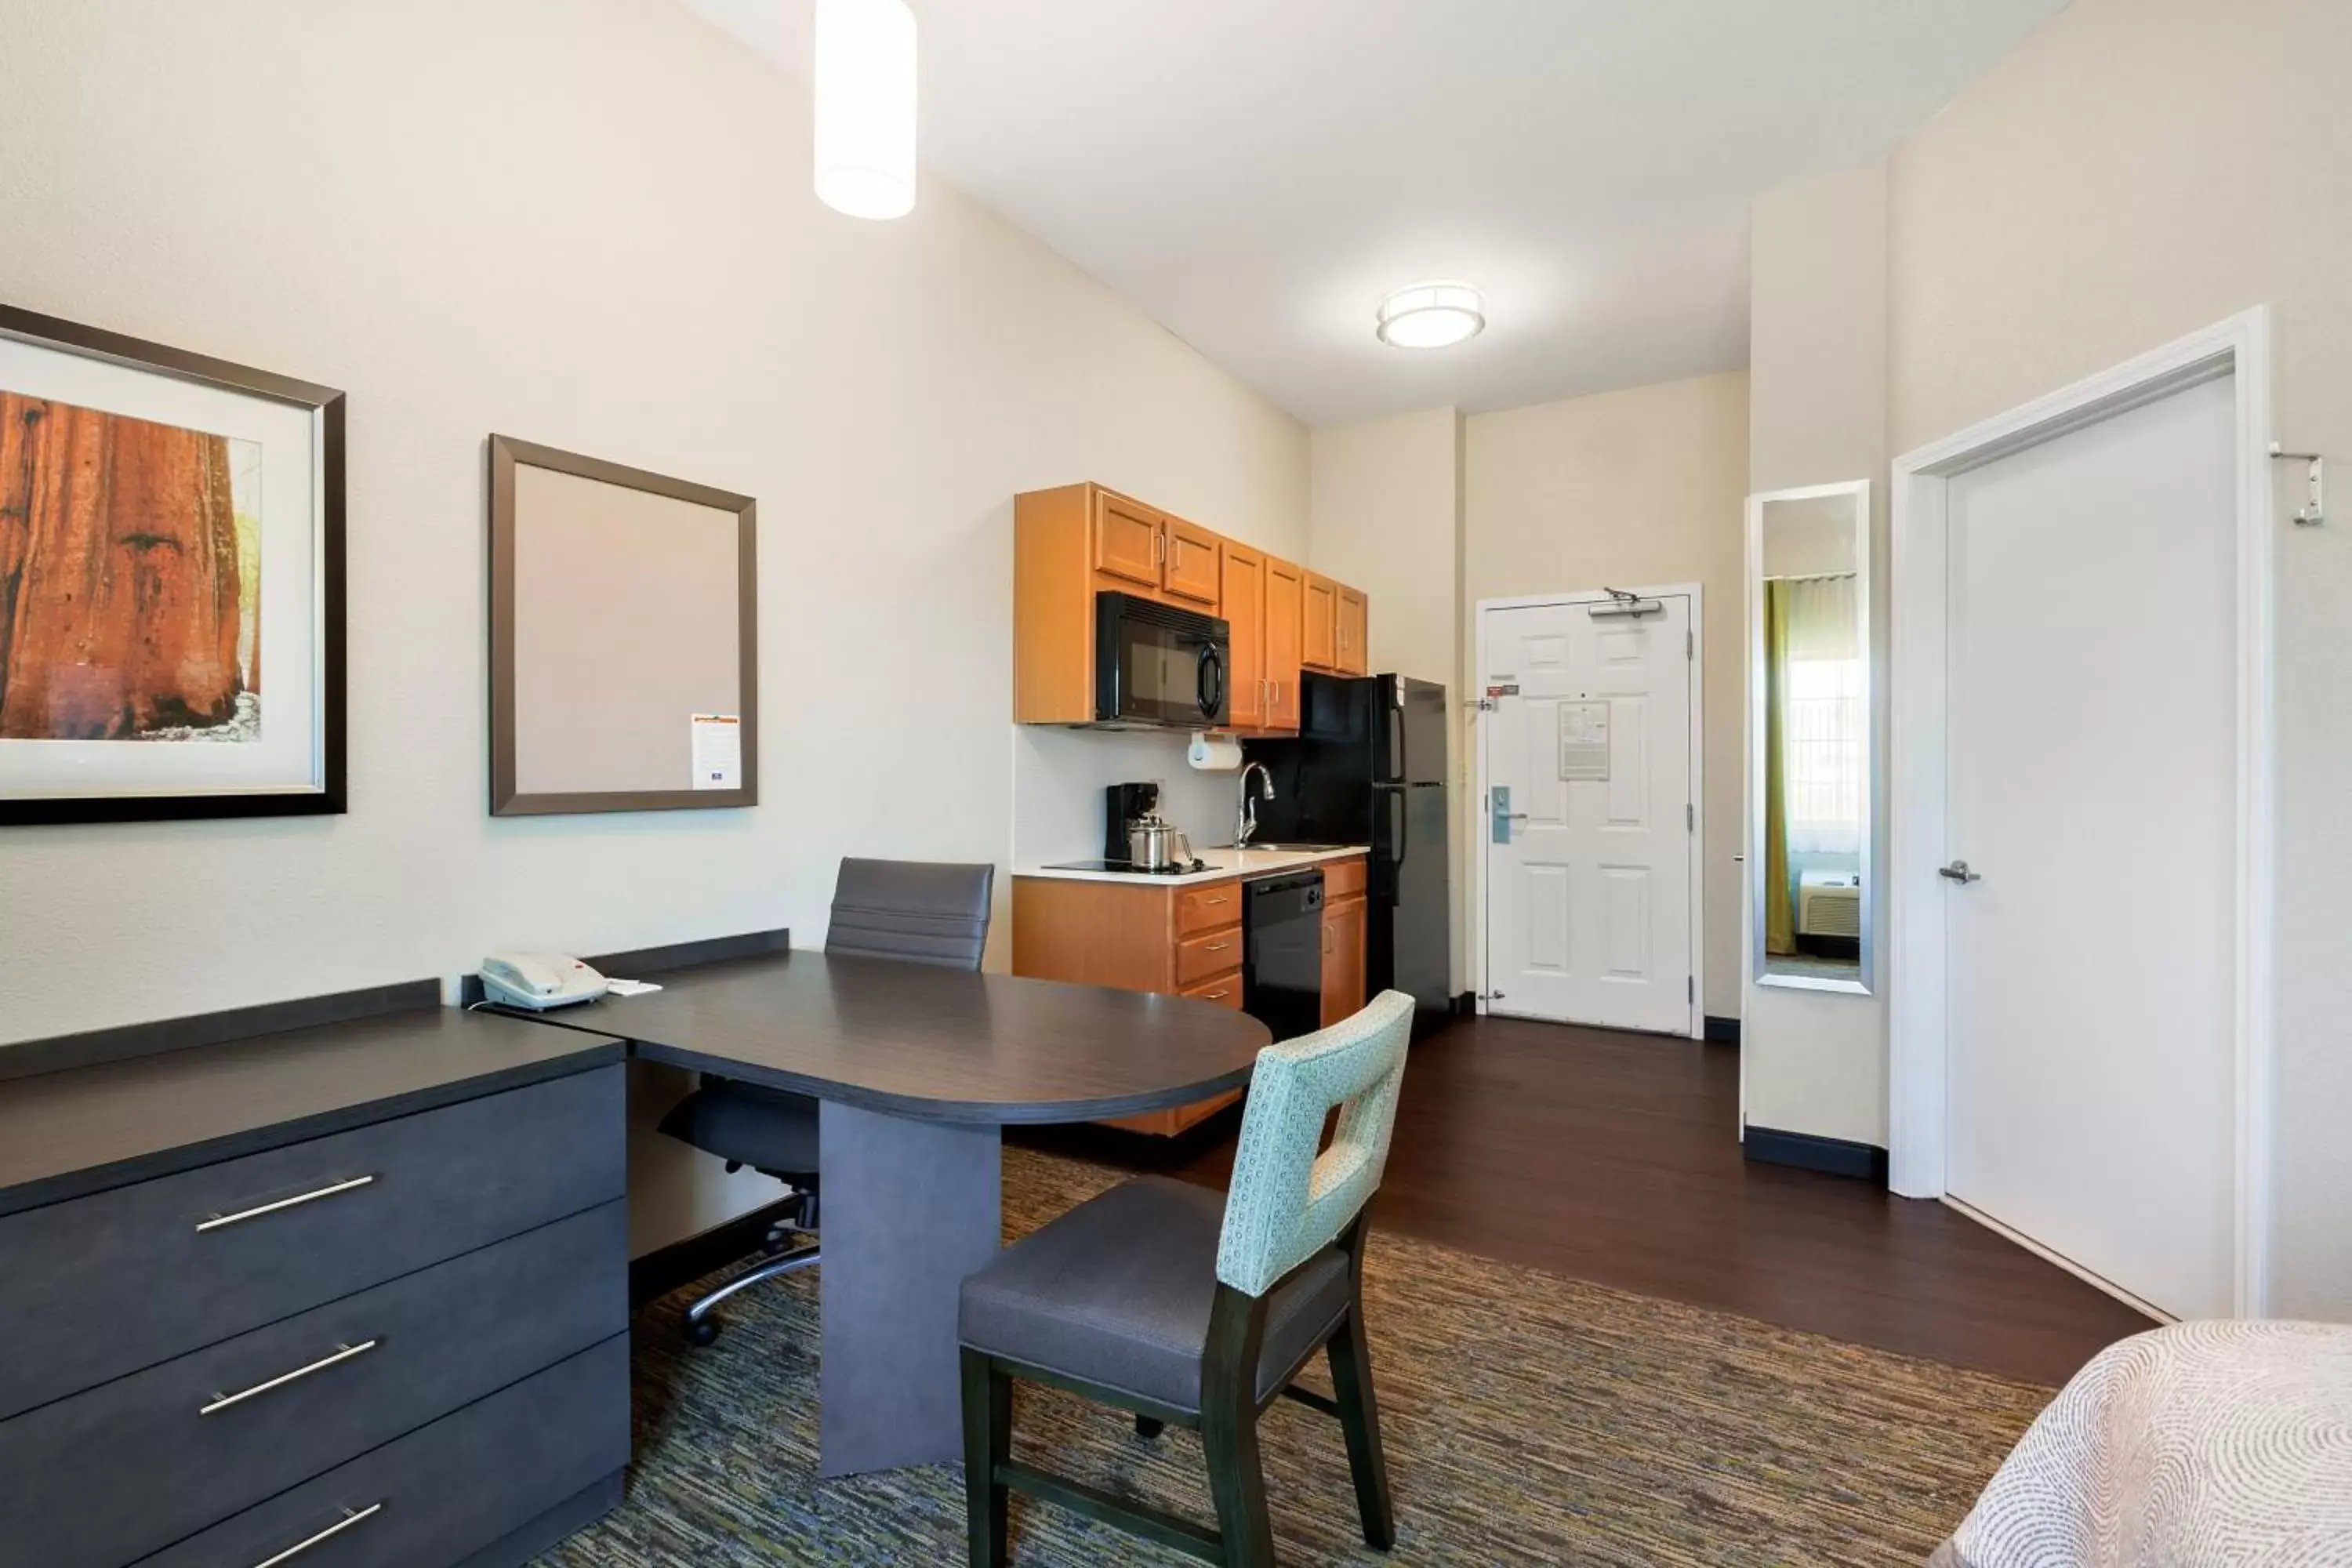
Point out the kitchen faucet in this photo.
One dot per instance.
(1245, 820)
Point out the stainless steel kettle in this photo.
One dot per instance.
(1154, 844)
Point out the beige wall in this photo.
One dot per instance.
(1815, 1061)
(1383, 503)
(1385, 515)
(2137, 170)
(1627, 490)
(452, 209)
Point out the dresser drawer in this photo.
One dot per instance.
(1205, 909)
(101, 1286)
(437, 1496)
(100, 1477)
(1213, 952)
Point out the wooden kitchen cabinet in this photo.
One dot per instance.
(1075, 542)
(1127, 535)
(1319, 620)
(1242, 577)
(1182, 940)
(1344, 928)
(1136, 936)
(1189, 571)
(1352, 615)
(1284, 607)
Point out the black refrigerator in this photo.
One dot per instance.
(1369, 767)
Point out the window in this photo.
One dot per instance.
(1823, 754)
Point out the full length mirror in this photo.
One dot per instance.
(1809, 841)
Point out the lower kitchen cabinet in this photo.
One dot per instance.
(1185, 941)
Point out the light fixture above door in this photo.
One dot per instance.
(865, 106)
(1432, 316)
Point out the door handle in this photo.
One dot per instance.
(1958, 871)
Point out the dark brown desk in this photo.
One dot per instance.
(917, 1070)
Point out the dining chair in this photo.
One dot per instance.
(1162, 1300)
(917, 911)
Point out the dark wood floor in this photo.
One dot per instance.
(1614, 1158)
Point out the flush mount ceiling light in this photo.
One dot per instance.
(1432, 316)
(865, 106)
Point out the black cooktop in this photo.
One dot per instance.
(1129, 868)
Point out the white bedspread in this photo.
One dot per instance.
(2211, 1442)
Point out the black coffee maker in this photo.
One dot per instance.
(1123, 804)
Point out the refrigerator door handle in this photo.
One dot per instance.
(1397, 822)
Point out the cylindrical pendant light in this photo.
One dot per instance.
(865, 106)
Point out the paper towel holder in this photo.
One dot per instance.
(1214, 754)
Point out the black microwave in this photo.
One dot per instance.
(1155, 664)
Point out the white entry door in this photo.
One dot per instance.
(2091, 743)
(1591, 812)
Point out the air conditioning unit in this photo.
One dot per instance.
(1828, 903)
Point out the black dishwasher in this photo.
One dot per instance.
(1282, 961)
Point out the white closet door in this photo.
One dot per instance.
(2092, 786)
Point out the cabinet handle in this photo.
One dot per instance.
(1218, 899)
(342, 1353)
(351, 1518)
(1214, 996)
(1217, 947)
(1158, 547)
(217, 1221)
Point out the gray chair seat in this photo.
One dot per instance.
(771, 1129)
(1118, 1291)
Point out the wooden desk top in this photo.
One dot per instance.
(83, 1130)
(941, 1044)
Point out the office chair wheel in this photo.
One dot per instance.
(702, 1332)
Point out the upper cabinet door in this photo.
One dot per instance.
(1127, 539)
(1352, 659)
(1284, 602)
(1243, 598)
(1192, 563)
(1320, 649)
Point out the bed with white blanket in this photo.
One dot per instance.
(2208, 1443)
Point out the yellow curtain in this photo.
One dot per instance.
(1780, 919)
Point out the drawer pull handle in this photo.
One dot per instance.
(1217, 947)
(351, 1517)
(342, 1353)
(1218, 899)
(219, 1220)
(1214, 996)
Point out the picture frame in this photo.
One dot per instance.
(624, 637)
(171, 582)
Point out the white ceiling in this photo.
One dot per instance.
(1256, 174)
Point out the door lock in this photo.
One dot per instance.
(1958, 871)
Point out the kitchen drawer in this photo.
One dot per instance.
(1205, 909)
(1225, 990)
(434, 1498)
(104, 1284)
(99, 1478)
(1212, 953)
(1343, 879)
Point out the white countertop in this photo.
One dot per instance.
(1221, 863)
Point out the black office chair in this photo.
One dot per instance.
(915, 911)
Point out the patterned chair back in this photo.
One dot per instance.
(1287, 1202)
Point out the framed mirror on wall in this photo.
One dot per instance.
(1809, 838)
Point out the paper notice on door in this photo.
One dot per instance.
(718, 751)
(1584, 741)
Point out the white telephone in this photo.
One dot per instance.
(540, 980)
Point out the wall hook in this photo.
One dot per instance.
(2315, 512)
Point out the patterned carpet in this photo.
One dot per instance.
(1529, 1419)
